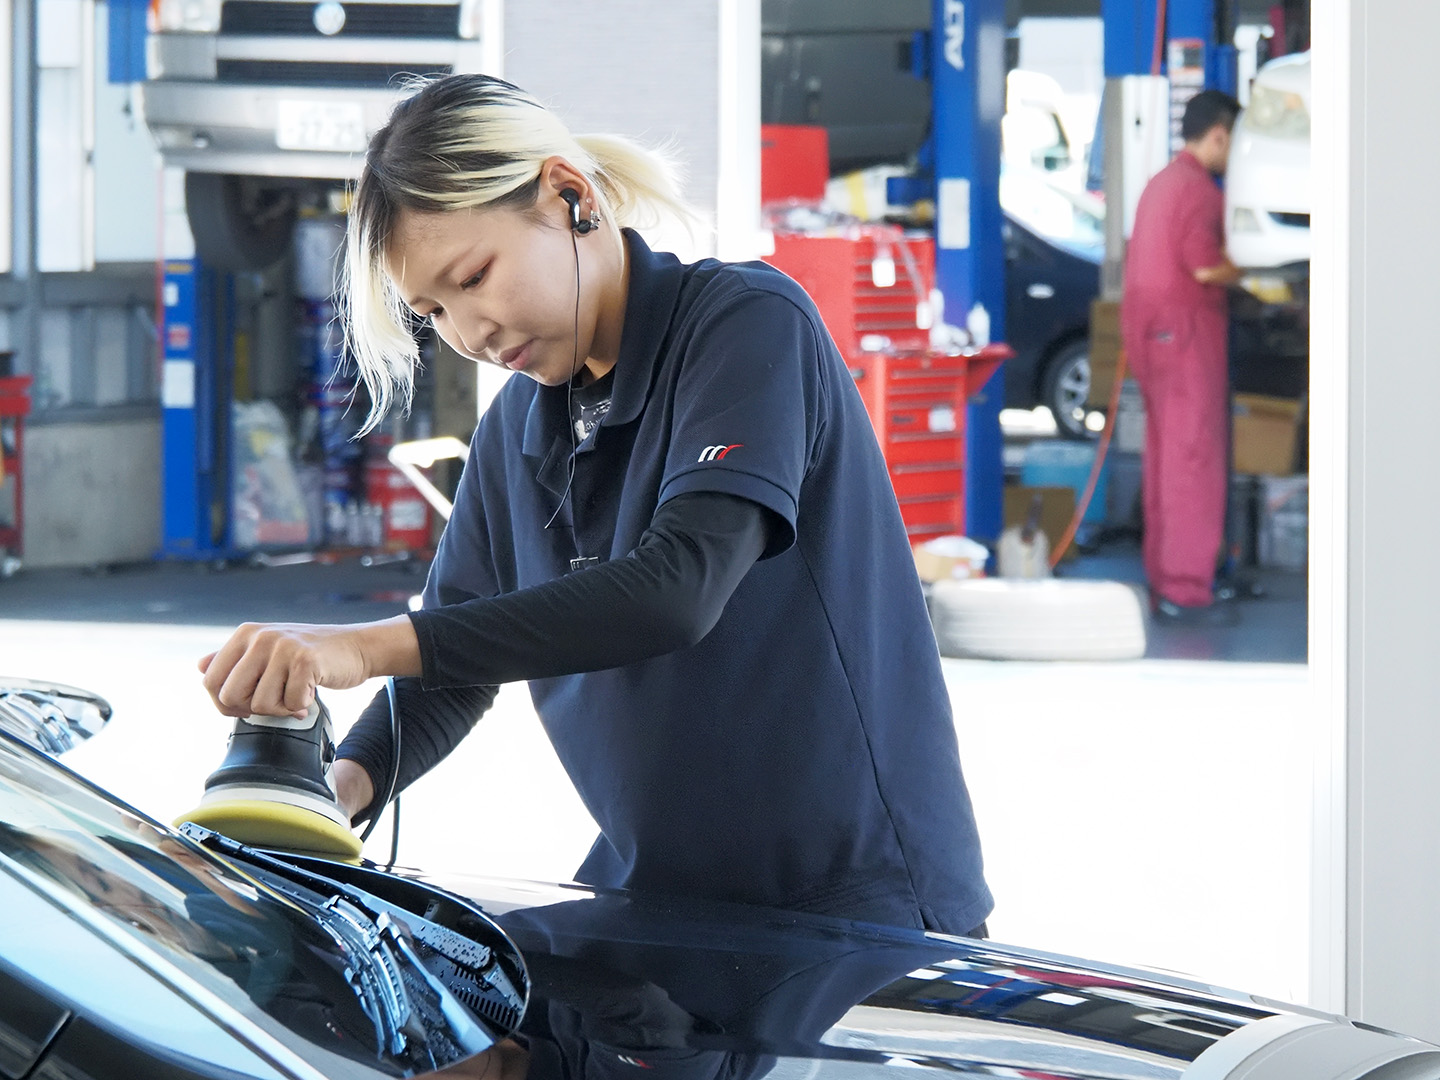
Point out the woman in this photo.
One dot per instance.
(678, 528)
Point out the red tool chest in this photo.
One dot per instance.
(840, 272)
(14, 407)
(916, 396)
(916, 402)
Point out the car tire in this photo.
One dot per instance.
(995, 619)
(1065, 389)
(238, 224)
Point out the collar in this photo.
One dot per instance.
(655, 281)
(1193, 162)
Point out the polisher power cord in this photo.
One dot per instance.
(390, 796)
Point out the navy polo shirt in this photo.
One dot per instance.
(802, 754)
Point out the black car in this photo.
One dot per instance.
(1052, 276)
(133, 950)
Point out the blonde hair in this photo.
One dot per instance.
(468, 142)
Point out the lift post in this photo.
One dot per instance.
(967, 79)
(197, 385)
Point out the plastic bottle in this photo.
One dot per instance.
(353, 525)
(977, 322)
(374, 515)
(334, 521)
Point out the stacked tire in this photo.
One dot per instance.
(995, 619)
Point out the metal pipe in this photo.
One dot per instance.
(25, 210)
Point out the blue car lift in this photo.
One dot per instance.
(964, 59)
(197, 387)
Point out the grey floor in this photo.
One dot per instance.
(1271, 621)
(199, 594)
(1270, 628)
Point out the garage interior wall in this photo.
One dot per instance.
(654, 72)
(87, 338)
(1375, 581)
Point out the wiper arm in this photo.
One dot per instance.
(373, 972)
(418, 1018)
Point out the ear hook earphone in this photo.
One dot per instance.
(572, 200)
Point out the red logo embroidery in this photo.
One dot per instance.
(717, 453)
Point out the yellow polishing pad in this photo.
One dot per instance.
(262, 824)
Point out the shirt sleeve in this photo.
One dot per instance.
(747, 407)
(666, 594)
(1202, 236)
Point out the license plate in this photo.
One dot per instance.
(320, 125)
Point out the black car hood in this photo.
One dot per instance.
(620, 984)
(623, 983)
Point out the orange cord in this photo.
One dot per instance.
(1158, 56)
(1100, 452)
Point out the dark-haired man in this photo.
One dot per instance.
(1174, 319)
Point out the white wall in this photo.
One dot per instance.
(1375, 588)
(99, 170)
(64, 134)
(651, 71)
(127, 165)
(83, 505)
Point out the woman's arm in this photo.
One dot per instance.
(664, 595)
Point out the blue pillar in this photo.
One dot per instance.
(196, 389)
(1130, 30)
(967, 66)
(1130, 37)
(127, 41)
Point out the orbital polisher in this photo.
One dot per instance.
(273, 788)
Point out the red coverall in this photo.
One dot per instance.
(1175, 336)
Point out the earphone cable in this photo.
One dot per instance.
(570, 389)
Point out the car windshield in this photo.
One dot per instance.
(1071, 219)
(272, 957)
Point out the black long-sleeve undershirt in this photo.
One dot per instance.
(665, 595)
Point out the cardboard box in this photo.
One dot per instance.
(1265, 434)
(1057, 507)
(945, 558)
(1105, 346)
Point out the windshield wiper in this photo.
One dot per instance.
(419, 1019)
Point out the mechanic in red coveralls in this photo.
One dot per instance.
(1174, 319)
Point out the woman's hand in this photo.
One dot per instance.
(274, 669)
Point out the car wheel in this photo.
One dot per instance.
(1066, 389)
(239, 224)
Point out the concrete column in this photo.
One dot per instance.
(1375, 583)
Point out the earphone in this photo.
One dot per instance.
(572, 200)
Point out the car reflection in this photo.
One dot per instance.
(622, 984)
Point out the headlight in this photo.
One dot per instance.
(1244, 221)
(184, 16)
(1277, 113)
